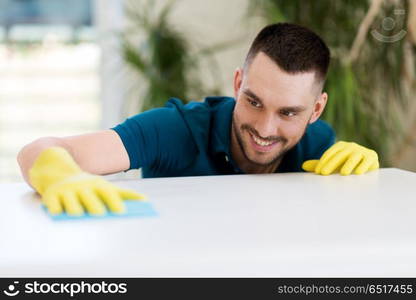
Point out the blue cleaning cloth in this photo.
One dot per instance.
(134, 208)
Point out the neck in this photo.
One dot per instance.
(251, 168)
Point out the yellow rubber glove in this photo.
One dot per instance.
(344, 157)
(65, 187)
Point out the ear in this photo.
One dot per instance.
(319, 107)
(238, 79)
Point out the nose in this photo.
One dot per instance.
(267, 126)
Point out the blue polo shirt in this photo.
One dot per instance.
(194, 140)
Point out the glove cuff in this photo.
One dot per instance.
(51, 166)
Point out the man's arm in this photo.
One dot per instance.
(98, 153)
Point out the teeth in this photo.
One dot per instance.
(260, 142)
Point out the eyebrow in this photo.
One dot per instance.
(296, 108)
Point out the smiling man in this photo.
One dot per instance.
(278, 96)
(271, 125)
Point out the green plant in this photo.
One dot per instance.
(366, 83)
(166, 59)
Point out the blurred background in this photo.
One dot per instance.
(75, 66)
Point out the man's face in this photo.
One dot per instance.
(273, 109)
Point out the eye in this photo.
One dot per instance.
(288, 113)
(254, 103)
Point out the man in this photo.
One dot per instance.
(271, 126)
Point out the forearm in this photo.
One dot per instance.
(49, 166)
(30, 152)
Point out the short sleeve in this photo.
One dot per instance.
(157, 138)
(320, 136)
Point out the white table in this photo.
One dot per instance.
(277, 225)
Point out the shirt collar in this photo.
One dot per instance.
(221, 128)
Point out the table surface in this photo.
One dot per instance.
(268, 225)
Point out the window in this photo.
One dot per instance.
(49, 74)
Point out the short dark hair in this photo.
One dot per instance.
(294, 48)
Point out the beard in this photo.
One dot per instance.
(278, 139)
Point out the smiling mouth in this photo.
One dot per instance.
(262, 145)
